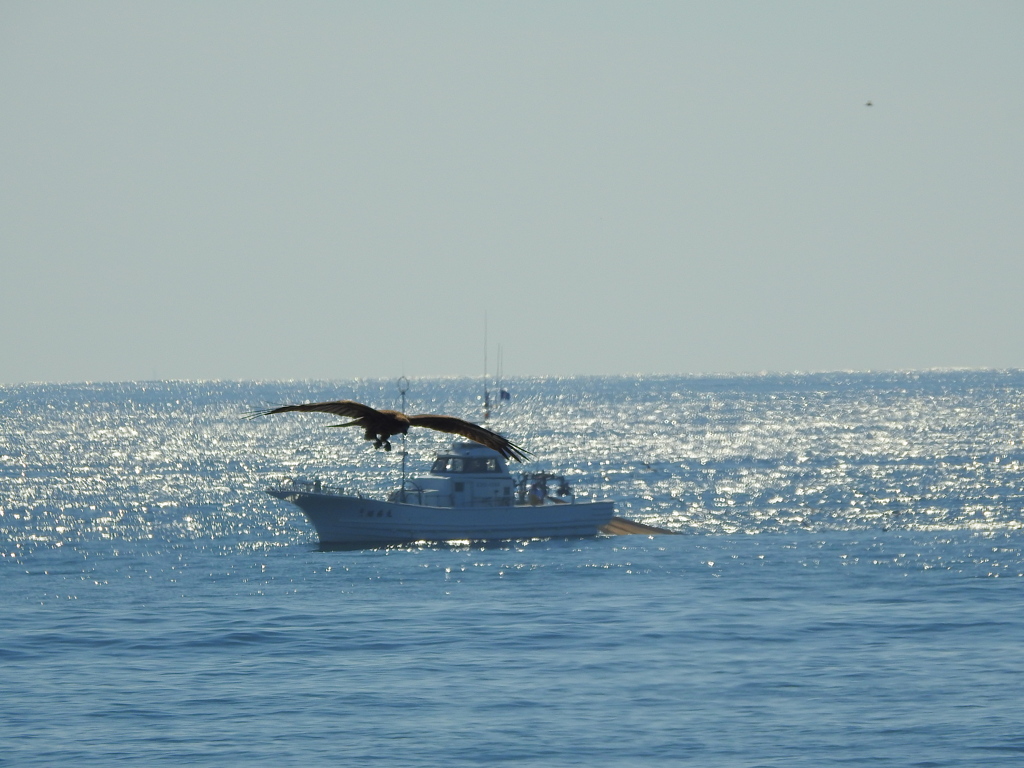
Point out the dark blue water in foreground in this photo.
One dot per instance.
(847, 588)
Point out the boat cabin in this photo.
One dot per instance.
(468, 475)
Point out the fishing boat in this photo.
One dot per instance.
(467, 494)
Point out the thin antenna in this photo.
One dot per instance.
(501, 371)
(487, 397)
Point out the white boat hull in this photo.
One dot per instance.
(347, 520)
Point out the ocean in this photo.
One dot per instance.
(845, 588)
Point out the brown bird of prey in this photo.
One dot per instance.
(379, 426)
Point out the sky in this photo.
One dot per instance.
(333, 190)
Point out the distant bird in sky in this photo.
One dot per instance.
(869, 104)
(379, 426)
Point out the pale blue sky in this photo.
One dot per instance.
(240, 190)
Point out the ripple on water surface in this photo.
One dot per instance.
(173, 461)
(847, 593)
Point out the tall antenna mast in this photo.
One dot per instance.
(500, 372)
(487, 397)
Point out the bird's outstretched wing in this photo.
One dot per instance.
(338, 407)
(473, 432)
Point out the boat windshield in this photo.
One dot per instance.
(445, 465)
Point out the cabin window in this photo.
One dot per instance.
(444, 465)
(481, 466)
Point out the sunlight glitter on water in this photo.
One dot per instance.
(173, 461)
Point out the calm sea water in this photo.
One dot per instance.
(846, 589)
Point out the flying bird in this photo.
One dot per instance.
(379, 426)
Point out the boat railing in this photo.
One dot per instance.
(539, 488)
(410, 493)
(414, 493)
